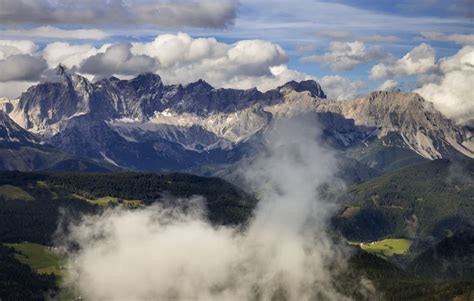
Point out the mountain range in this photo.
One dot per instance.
(144, 124)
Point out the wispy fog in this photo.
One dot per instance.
(160, 253)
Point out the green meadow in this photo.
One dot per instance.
(39, 257)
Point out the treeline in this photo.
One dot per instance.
(37, 220)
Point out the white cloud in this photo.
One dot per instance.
(118, 59)
(21, 67)
(58, 33)
(12, 47)
(278, 76)
(341, 88)
(387, 85)
(420, 59)
(199, 13)
(181, 49)
(244, 64)
(70, 55)
(164, 254)
(464, 39)
(347, 55)
(182, 59)
(452, 91)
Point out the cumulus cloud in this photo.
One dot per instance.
(11, 47)
(183, 59)
(180, 59)
(21, 67)
(347, 55)
(197, 13)
(70, 55)
(420, 59)
(54, 32)
(162, 253)
(341, 88)
(464, 39)
(451, 90)
(278, 76)
(118, 59)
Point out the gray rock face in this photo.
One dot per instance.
(422, 128)
(12, 133)
(144, 124)
(308, 85)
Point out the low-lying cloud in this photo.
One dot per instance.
(166, 254)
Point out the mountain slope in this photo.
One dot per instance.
(22, 150)
(427, 201)
(451, 258)
(144, 124)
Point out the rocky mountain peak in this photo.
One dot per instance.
(148, 79)
(310, 86)
(200, 86)
(60, 70)
(420, 126)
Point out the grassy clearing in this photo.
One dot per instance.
(110, 200)
(10, 192)
(102, 201)
(40, 258)
(387, 247)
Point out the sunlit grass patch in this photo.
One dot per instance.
(387, 247)
(42, 259)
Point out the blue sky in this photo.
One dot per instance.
(343, 38)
